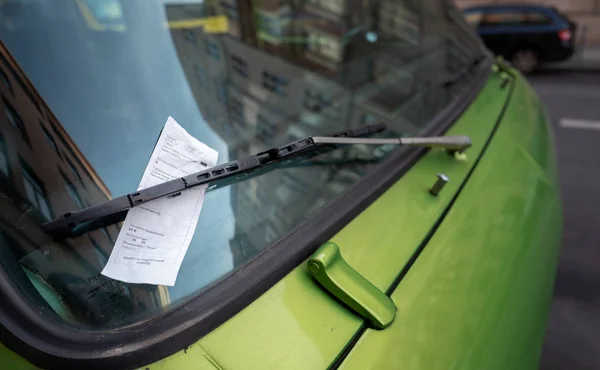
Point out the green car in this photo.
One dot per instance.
(406, 217)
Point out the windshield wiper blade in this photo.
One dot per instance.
(73, 224)
(296, 162)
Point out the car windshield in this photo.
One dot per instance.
(87, 85)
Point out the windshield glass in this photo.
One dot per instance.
(87, 85)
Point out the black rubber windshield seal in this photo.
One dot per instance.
(35, 332)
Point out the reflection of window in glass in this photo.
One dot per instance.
(387, 22)
(326, 46)
(315, 101)
(212, 49)
(97, 187)
(368, 119)
(330, 47)
(50, 140)
(35, 191)
(271, 25)
(189, 36)
(200, 76)
(15, 120)
(4, 81)
(274, 83)
(74, 156)
(73, 193)
(283, 192)
(4, 164)
(236, 111)
(312, 101)
(101, 254)
(295, 133)
(335, 6)
(221, 91)
(265, 130)
(107, 235)
(16, 77)
(230, 10)
(239, 65)
(61, 139)
(227, 127)
(73, 170)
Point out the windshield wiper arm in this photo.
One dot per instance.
(75, 223)
(449, 143)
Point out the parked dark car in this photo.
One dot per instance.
(527, 35)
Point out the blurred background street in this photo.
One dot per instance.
(571, 93)
(572, 98)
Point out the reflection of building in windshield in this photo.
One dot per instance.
(43, 174)
(263, 89)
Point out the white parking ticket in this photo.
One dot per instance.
(155, 235)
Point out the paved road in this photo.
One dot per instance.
(573, 333)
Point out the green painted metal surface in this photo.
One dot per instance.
(296, 324)
(479, 294)
(328, 267)
(12, 361)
